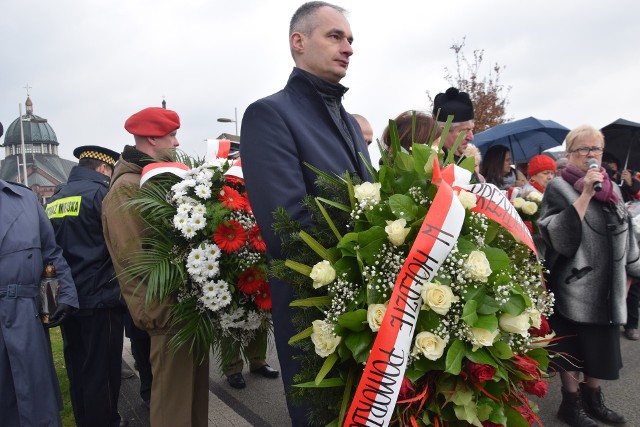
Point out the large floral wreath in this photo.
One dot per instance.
(206, 253)
(476, 326)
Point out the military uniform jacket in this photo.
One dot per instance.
(75, 211)
(27, 242)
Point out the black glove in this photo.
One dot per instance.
(62, 312)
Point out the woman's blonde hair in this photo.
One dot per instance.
(581, 132)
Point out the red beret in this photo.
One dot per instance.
(541, 163)
(152, 121)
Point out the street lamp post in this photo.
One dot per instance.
(226, 120)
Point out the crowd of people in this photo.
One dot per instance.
(90, 234)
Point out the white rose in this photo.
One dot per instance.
(322, 274)
(482, 337)
(515, 324)
(529, 208)
(367, 192)
(477, 266)
(323, 338)
(375, 314)
(467, 199)
(536, 318)
(438, 297)
(396, 231)
(535, 196)
(429, 345)
(517, 202)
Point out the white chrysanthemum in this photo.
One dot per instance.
(184, 208)
(188, 230)
(211, 268)
(180, 221)
(204, 177)
(209, 287)
(198, 222)
(178, 196)
(203, 191)
(190, 182)
(196, 257)
(199, 209)
(179, 187)
(224, 298)
(221, 286)
(212, 251)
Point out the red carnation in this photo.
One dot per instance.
(251, 281)
(536, 387)
(255, 239)
(543, 330)
(263, 299)
(480, 372)
(231, 199)
(230, 236)
(491, 424)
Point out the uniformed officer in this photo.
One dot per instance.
(29, 391)
(92, 336)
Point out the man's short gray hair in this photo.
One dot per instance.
(302, 21)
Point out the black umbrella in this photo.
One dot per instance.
(622, 139)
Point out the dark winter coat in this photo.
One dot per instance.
(304, 122)
(588, 260)
(28, 387)
(75, 211)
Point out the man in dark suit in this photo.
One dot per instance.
(304, 122)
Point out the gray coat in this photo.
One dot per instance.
(588, 260)
(29, 391)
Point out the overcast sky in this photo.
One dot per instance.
(93, 63)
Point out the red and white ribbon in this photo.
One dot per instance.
(154, 169)
(217, 149)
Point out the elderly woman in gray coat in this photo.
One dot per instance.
(590, 251)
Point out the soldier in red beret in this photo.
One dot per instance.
(179, 390)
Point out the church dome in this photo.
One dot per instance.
(36, 129)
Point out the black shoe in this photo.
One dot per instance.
(236, 381)
(593, 402)
(572, 412)
(266, 371)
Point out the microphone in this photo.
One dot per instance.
(593, 164)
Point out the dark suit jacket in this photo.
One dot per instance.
(279, 134)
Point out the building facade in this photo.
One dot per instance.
(45, 169)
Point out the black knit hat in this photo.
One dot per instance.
(453, 103)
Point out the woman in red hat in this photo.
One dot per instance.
(541, 170)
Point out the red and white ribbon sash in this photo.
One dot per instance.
(377, 392)
(154, 169)
(217, 149)
(494, 204)
(236, 169)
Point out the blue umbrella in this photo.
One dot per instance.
(525, 137)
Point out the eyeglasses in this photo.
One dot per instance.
(585, 150)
